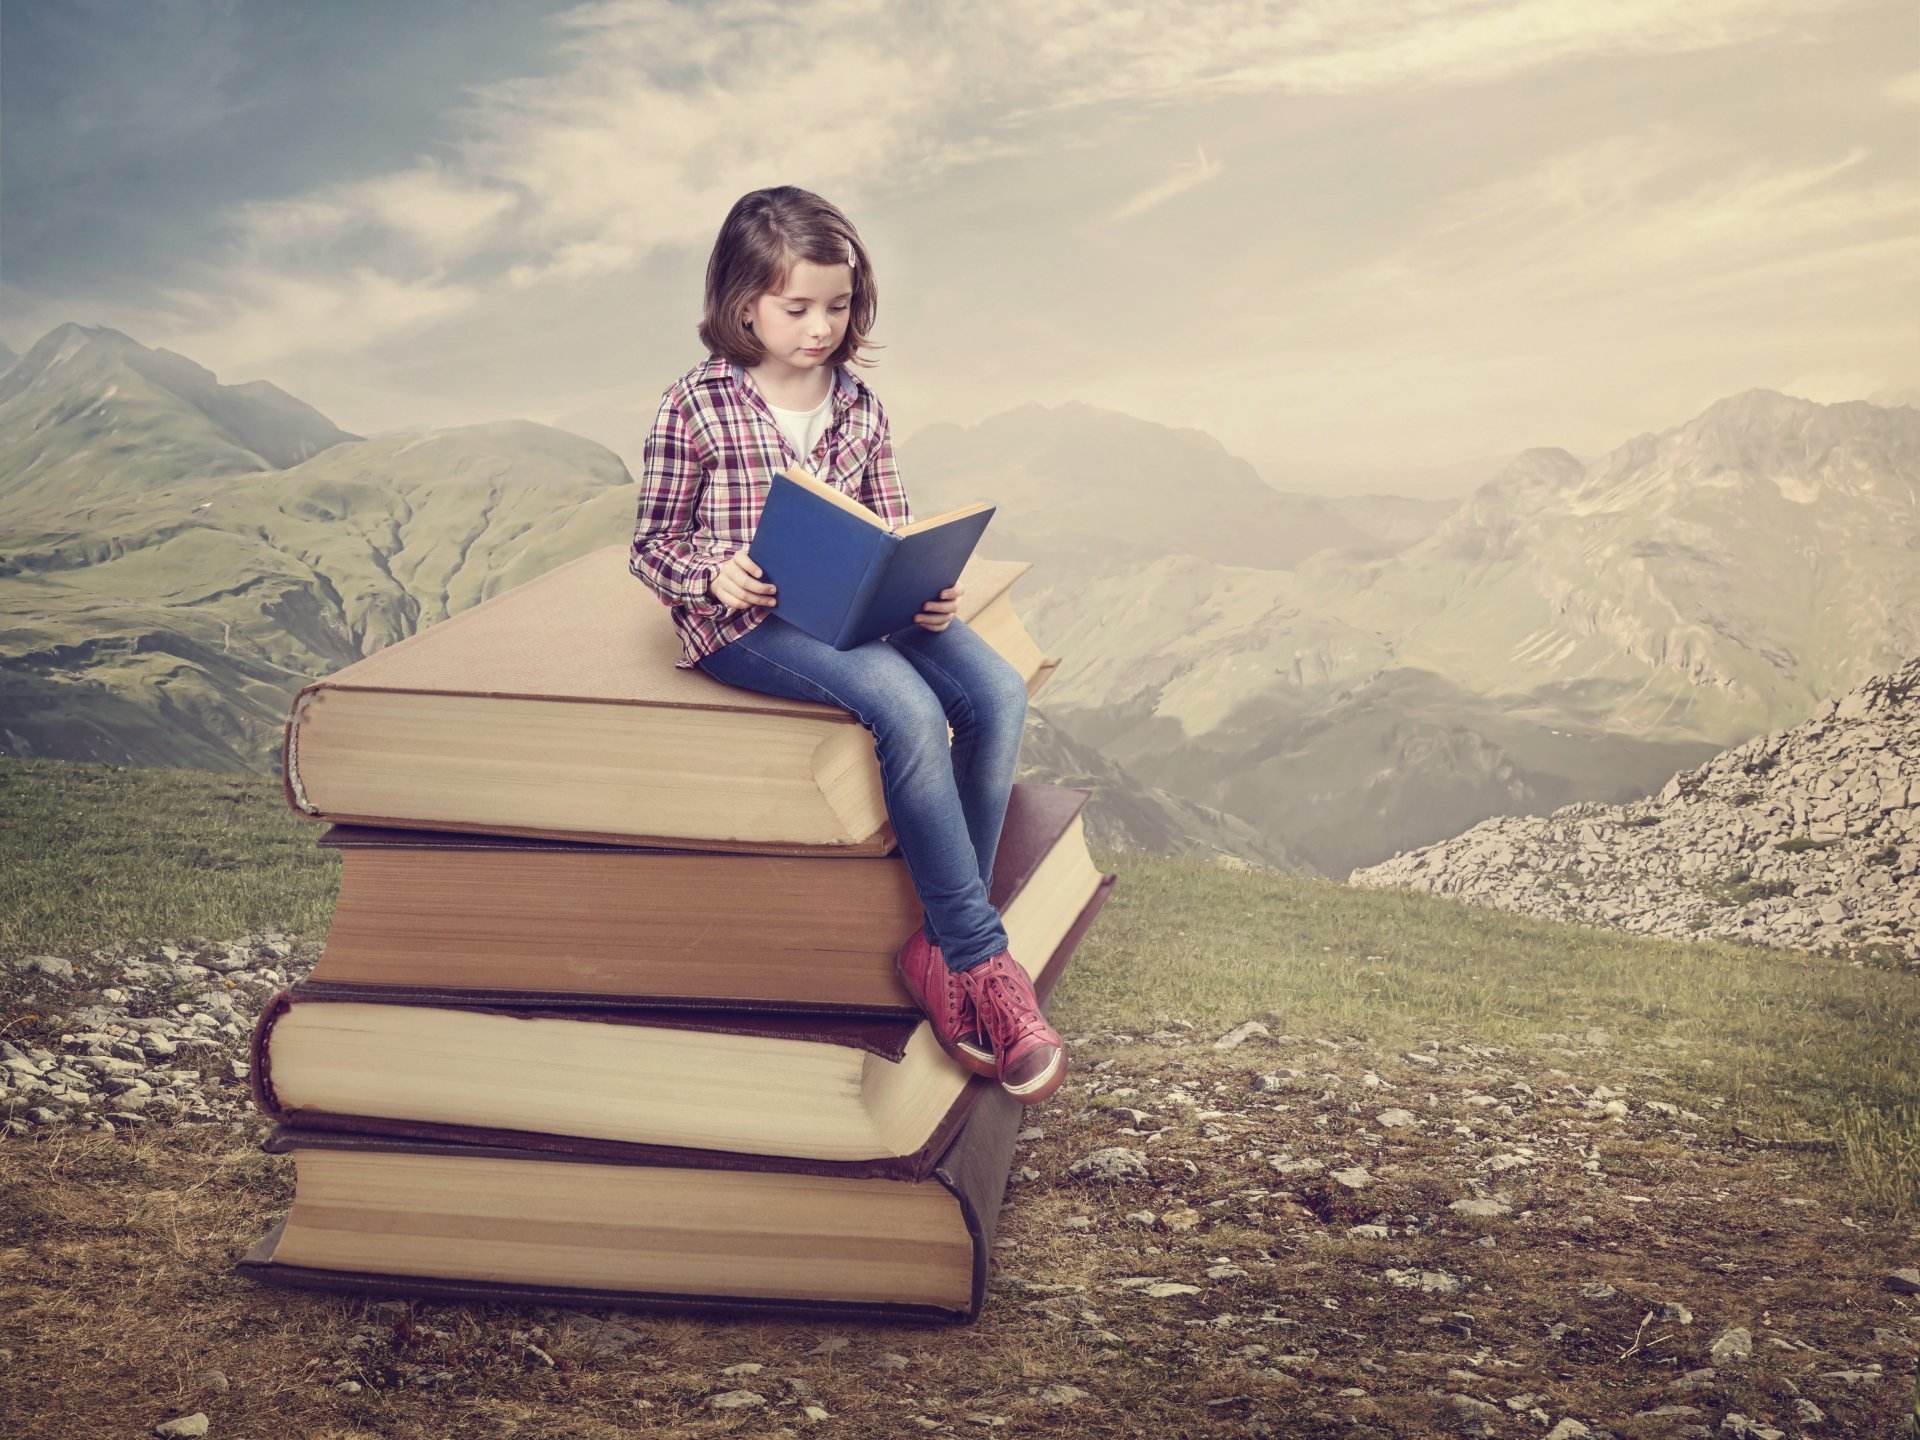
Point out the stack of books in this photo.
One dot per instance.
(608, 1013)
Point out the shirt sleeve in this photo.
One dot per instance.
(671, 554)
(880, 489)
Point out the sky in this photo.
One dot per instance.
(1352, 242)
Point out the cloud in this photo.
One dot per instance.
(1188, 174)
(655, 117)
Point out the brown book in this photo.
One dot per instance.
(515, 920)
(733, 1234)
(608, 1081)
(556, 709)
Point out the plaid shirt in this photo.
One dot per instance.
(705, 469)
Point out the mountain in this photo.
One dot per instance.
(1807, 837)
(7, 357)
(1570, 631)
(89, 416)
(1092, 489)
(1124, 814)
(170, 622)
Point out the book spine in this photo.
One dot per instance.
(885, 545)
(259, 1067)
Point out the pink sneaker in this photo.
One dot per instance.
(938, 992)
(1031, 1060)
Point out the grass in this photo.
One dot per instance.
(1800, 1156)
(98, 855)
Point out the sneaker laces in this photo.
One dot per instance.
(1007, 1009)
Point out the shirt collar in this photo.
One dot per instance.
(718, 369)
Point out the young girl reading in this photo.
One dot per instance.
(790, 298)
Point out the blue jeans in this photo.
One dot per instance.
(947, 804)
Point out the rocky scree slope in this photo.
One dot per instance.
(1807, 838)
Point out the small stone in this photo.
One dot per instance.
(1246, 1030)
(1568, 1429)
(1180, 1218)
(891, 1361)
(60, 970)
(1111, 1165)
(992, 1422)
(213, 1380)
(1904, 1282)
(1396, 1119)
(815, 1412)
(1076, 1222)
(1062, 1395)
(1673, 1312)
(348, 1387)
(185, 1428)
(1167, 1289)
(737, 1400)
(1355, 1178)
(1597, 1290)
(1368, 1232)
(1488, 1209)
(833, 1344)
(1734, 1344)
(745, 1367)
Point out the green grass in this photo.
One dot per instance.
(102, 855)
(1804, 1047)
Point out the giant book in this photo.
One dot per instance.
(556, 709)
(613, 1080)
(450, 916)
(738, 1234)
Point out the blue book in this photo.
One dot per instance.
(840, 573)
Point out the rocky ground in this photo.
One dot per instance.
(1253, 1233)
(1806, 838)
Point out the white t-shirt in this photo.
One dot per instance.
(804, 427)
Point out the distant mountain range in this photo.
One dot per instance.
(1571, 631)
(1289, 679)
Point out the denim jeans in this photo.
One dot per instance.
(947, 803)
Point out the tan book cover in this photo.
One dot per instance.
(556, 709)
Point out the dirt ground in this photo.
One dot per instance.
(1310, 1238)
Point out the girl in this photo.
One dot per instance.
(789, 301)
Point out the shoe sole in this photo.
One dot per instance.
(979, 1062)
(1041, 1087)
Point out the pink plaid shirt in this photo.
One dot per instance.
(704, 472)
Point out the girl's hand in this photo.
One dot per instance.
(938, 613)
(737, 584)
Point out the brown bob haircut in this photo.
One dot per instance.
(765, 234)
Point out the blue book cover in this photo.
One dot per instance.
(840, 573)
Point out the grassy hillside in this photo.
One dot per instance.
(1522, 1245)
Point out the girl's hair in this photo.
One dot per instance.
(762, 238)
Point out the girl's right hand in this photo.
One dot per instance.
(737, 583)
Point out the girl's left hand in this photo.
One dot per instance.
(938, 613)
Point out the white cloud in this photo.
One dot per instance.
(658, 116)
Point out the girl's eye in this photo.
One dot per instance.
(837, 310)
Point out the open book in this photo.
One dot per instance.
(841, 573)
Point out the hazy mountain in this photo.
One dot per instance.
(1305, 679)
(1091, 489)
(1571, 631)
(7, 356)
(88, 415)
(1124, 814)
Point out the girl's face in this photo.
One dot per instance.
(802, 324)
